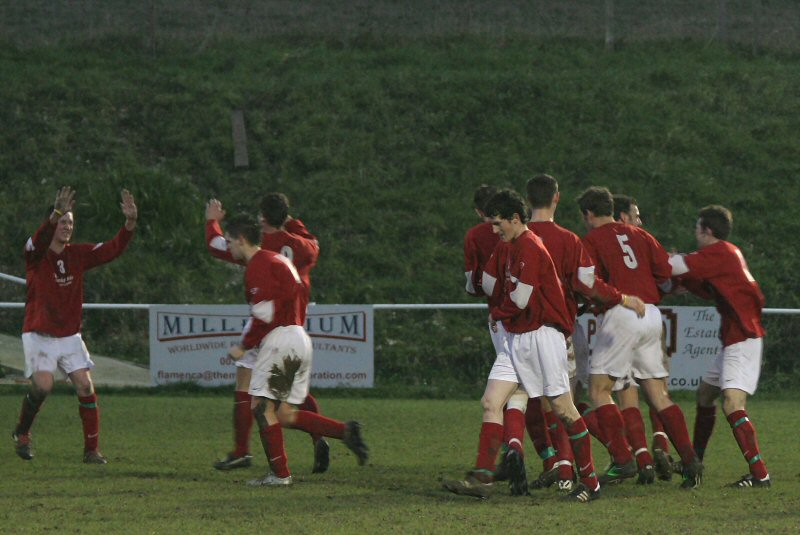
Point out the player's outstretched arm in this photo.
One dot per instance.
(214, 210)
(65, 202)
(129, 210)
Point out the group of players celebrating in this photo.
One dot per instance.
(273, 355)
(534, 273)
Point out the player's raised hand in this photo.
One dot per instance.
(129, 209)
(634, 303)
(214, 210)
(65, 201)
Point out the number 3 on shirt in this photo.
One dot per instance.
(627, 253)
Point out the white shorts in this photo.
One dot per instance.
(249, 359)
(540, 360)
(737, 366)
(502, 369)
(581, 349)
(283, 369)
(627, 343)
(45, 353)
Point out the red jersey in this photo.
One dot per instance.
(479, 243)
(54, 300)
(295, 243)
(574, 266)
(273, 290)
(722, 270)
(532, 293)
(630, 259)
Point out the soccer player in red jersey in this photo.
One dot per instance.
(718, 271)
(479, 242)
(536, 319)
(633, 261)
(286, 235)
(576, 272)
(626, 210)
(281, 374)
(51, 333)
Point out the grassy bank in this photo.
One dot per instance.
(380, 146)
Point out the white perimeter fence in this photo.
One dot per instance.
(187, 341)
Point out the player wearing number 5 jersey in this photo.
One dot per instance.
(289, 237)
(718, 271)
(635, 263)
(51, 334)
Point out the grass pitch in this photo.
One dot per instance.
(160, 479)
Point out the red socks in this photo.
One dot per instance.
(514, 429)
(582, 448)
(488, 445)
(272, 441)
(316, 424)
(660, 441)
(675, 424)
(90, 416)
(560, 440)
(310, 404)
(703, 427)
(610, 420)
(537, 430)
(242, 422)
(30, 408)
(745, 434)
(634, 430)
(590, 419)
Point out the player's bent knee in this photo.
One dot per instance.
(519, 401)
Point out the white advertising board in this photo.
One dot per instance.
(692, 342)
(189, 343)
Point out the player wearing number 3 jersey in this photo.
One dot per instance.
(51, 334)
(635, 263)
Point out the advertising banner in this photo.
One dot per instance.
(189, 343)
(691, 340)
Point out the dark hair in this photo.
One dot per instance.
(718, 220)
(505, 203)
(623, 203)
(275, 208)
(598, 200)
(541, 190)
(244, 226)
(482, 196)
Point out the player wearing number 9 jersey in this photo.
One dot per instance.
(718, 271)
(633, 261)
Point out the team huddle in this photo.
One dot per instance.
(534, 274)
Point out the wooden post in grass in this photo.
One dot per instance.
(609, 24)
(240, 158)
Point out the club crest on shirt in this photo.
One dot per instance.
(254, 291)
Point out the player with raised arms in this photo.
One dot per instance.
(51, 333)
